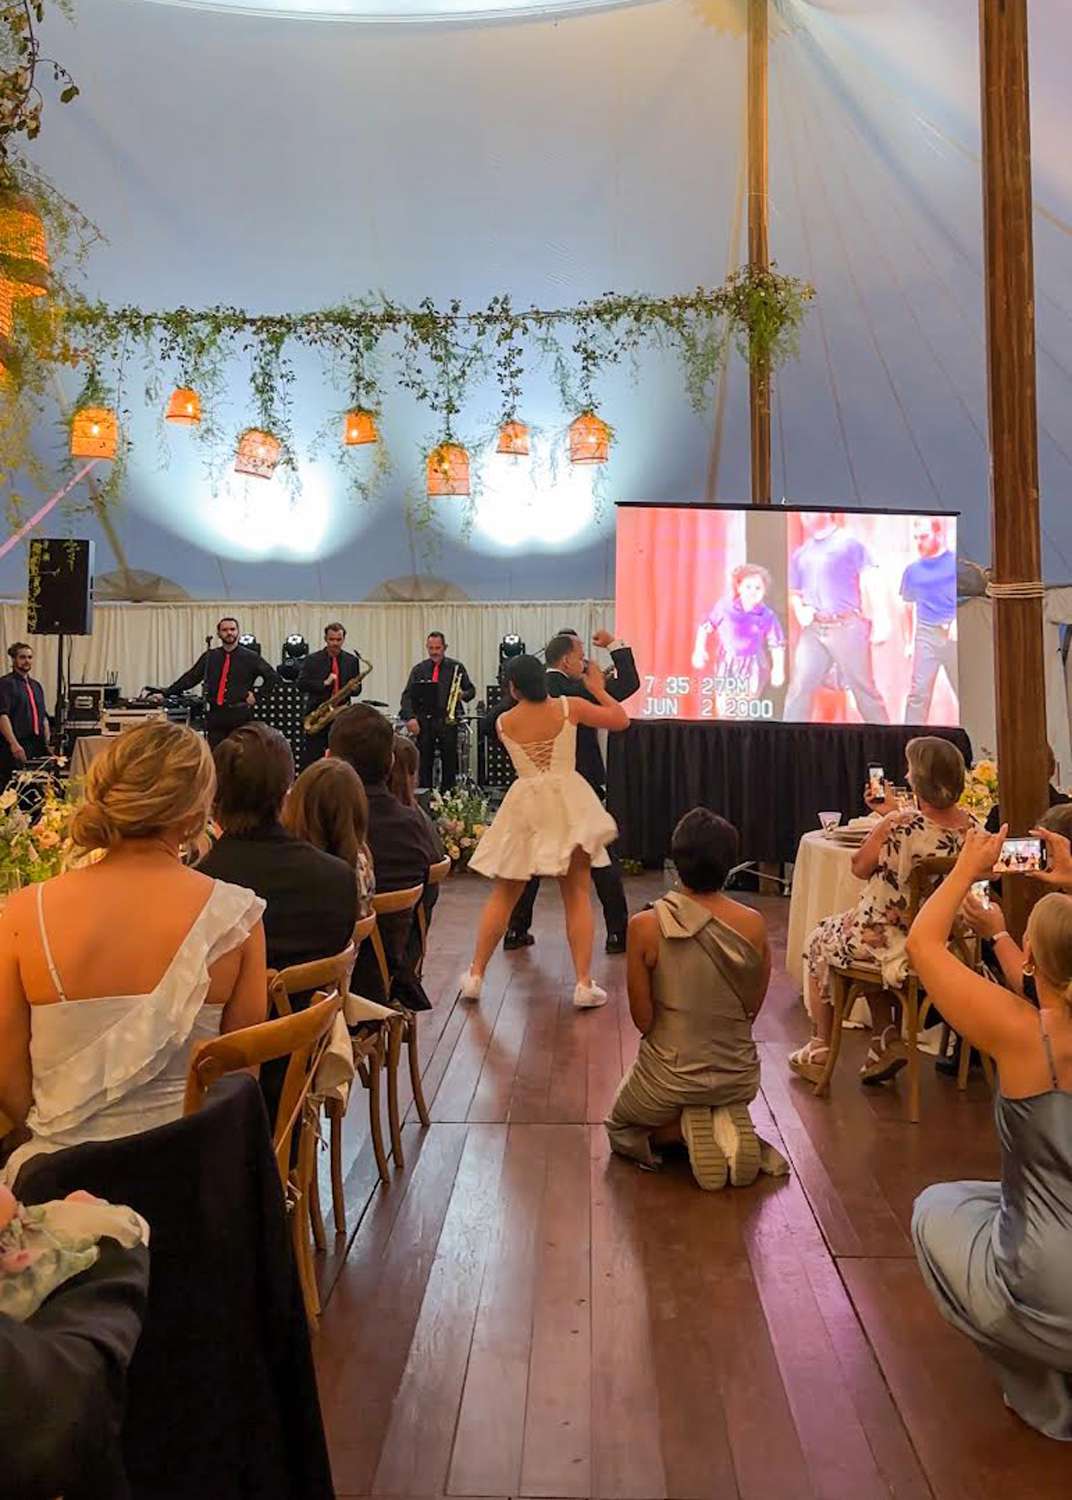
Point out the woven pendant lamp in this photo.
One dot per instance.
(359, 427)
(589, 439)
(184, 407)
(514, 439)
(94, 433)
(448, 470)
(258, 453)
(24, 264)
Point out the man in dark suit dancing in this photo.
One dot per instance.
(565, 661)
(324, 674)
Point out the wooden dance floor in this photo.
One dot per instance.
(518, 1314)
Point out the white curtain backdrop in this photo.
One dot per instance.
(153, 643)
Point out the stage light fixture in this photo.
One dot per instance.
(250, 642)
(295, 647)
(509, 647)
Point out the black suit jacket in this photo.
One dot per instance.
(315, 669)
(423, 672)
(311, 896)
(621, 686)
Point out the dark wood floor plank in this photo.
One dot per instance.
(417, 1447)
(451, 1083)
(370, 1320)
(490, 1433)
(604, 1064)
(495, 1086)
(626, 1455)
(557, 1459)
(971, 1446)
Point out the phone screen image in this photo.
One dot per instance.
(876, 782)
(981, 891)
(1020, 857)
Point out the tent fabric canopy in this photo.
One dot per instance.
(289, 163)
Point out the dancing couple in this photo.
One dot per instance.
(551, 822)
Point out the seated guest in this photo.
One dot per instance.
(310, 897)
(995, 1255)
(400, 838)
(327, 807)
(698, 966)
(109, 974)
(876, 929)
(1056, 798)
(403, 782)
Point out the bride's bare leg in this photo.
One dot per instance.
(494, 920)
(576, 886)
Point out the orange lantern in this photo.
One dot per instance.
(589, 439)
(514, 438)
(258, 453)
(359, 427)
(448, 470)
(24, 262)
(7, 324)
(184, 407)
(94, 433)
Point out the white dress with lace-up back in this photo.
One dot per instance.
(548, 812)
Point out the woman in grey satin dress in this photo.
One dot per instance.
(996, 1256)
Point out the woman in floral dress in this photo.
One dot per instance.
(875, 931)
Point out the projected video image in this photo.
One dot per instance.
(805, 616)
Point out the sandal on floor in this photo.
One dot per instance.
(809, 1061)
(706, 1157)
(736, 1136)
(886, 1056)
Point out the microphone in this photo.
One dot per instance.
(208, 643)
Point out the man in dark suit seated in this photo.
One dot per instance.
(401, 840)
(311, 896)
(1056, 798)
(565, 661)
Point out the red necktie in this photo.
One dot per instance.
(221, 691)
(335, 671)
(435, 672)
(33, 706)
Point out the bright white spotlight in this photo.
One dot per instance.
(255, 519)
(542, 501)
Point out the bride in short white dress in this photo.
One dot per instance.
(550, 822)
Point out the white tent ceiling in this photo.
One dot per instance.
(282, 163)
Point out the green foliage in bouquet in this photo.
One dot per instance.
(38, 847)
(461, 817)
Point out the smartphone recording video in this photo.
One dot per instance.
(876, 783)
(981, 891)
(1021, 857)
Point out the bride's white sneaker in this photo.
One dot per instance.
(470, 986)
(588, 996)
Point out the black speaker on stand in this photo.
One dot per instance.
(59, 599)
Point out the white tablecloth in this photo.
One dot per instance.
(823, 883)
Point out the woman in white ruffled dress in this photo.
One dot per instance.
(550, 822)
(111, 973)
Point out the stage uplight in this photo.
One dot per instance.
(250, 642)
(509, 647)
(295, 650)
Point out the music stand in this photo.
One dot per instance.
(425, 698)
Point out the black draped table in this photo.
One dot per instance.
(771, 780)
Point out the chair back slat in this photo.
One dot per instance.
(301, 1037)
(437, 873)
(389, 903)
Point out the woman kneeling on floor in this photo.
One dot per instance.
(698, 969)
(995, 1255)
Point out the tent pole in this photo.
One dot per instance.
(759, 385)
(1014, 479)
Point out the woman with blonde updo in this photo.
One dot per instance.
(995, 1256)
(110, 973)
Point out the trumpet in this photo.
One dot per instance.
(454, 694)
(321, 716)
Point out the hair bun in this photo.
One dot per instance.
(153, 778)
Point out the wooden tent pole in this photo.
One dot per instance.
(1014, 483)
(759, 386)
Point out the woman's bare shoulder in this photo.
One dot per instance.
(644, 925)
(749, 923)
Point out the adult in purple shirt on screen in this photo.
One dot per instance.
(929, 590)
(840, 617)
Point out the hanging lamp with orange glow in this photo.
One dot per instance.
(258, 453)
(448, 470)
(359, 427)
(589, 439)
(184, 407)
(94, 432)
(24, 263)
(7, 327)
(514, 439)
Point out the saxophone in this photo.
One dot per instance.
(321, 716)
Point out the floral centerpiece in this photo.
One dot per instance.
(35, 830)
(461, 816)
(980, 792)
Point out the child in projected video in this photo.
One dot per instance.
(750, 641)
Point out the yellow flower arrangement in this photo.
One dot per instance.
(980, 792)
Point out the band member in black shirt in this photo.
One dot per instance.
(229, 672)
(430, 724)
(324, 674)
(23, 720)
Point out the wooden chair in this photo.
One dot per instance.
(389, 904)
(437, 873)
(302, 1037)
(849, 982)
